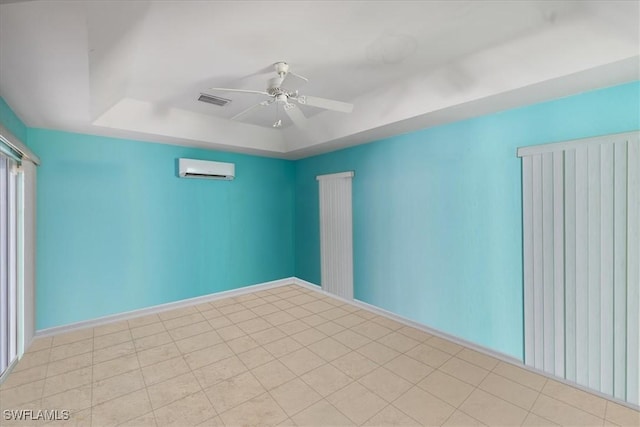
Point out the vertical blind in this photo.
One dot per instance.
(581, 220)
(336, 234)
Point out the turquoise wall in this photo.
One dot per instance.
(437, 213)
(12, 122)
(117, 230)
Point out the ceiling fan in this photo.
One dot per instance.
(281, 96)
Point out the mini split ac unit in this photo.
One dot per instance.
(191, 168)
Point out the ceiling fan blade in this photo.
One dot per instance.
(296, 116)
(293, 81)
(224, 89)
(251, 109)
(327, 104)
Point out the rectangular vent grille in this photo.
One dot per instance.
(215, 100)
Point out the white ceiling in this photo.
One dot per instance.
(135, 69)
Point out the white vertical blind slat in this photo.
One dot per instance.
(570, 264)
(538, 291)
(593, 263)
(527, 209)
(548, 263)
(558, 263)
(633, 271)
(606, 268)
(582, 253)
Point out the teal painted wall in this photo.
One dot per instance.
(12, 122)
(437, 213)
(118, 230)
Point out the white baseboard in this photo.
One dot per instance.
(92, 323)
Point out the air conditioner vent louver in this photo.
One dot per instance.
(215, 100)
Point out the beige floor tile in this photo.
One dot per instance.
(268, 335)
(477, 358)
(329, 349)
(408, 368)
(110, 328)
(33, 359)
(115, 367)
(283, 346)
(330, 328)
(110, 353)
(191, 410)
(294, 396)
(318, 306)
(260, 410)
(40, 344)
(253, 325)
(371, 330)
(349, 321)
(178, 312)
(151, 341)
(73, 400)
(385, 384)
(232, 308)
(450, 389)
(71, 337)
(211, 314)
(282, 304)
(416, 334)
(334, 313)
(326, 379)
(158, 354)
(464, 371)
(230, 393)
(109, 340)
(536, 420)
(293, 327)
(398, 342)
(351, 339)
(206, 356)
(321, 414)
(67, 381)
(242, 344)
(231, 332)
(198, 342)
(562, 413)
(121, 409)
(256, 357)
(219, 322)
(73, 349)
(143, 321)
(24, 377)
(146, 420)
(164, 370)
(444, 345)
(241, 316)
(424, 407)
(578, 398)
(622, 415)
(429, 355)
(279, 317)
(190, 330)
(492, 410)
(519, 375)
(357, 402)
(391, 416)
(308, 336)
(146, 330)
(118, 385)
(184, 321)
(219, 371)
(387, 323)
(460, 419)
(265, 309)
(301, 299)
(301, 361)
(509, 390)
(377, 352)
(354, 364)
(9, 398)
(176, 388)
(273, 374)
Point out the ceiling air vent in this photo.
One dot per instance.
(215, 100)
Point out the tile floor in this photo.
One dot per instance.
(285, 356)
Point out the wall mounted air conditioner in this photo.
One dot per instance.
(191, 168)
